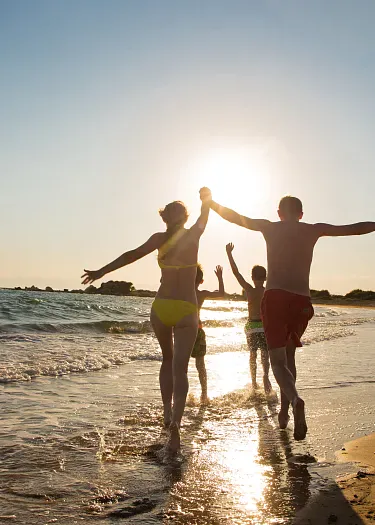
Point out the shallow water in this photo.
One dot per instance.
(85, 446)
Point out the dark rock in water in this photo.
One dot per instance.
(332, 518)
(137, 507)
(116, 288)
(91, 289)
(301, 458)
(112, 498)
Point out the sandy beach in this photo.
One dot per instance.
(81, 434)
(350, 501)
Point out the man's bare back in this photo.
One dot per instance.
(290, 247)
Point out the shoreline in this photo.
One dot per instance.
(341, 302)
(351, 500)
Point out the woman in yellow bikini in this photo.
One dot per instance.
(174, 312)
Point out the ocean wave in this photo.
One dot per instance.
(49, 365)
(108, 326)
(326, 335)
(225, 308)
(218, 323)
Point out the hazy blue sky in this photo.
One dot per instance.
(110, 109)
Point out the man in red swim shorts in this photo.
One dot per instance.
(286, 306)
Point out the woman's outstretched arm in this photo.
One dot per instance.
(206, 197)
(153, 243)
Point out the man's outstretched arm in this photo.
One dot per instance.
(232, 216)
(359, 228)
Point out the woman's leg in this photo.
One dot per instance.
(185, 334)
(164, 336)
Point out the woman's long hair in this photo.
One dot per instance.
(175, 216)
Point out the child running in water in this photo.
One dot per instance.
(254, 327)
(286, 305)
(199, 350)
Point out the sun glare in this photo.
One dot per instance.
(237, 176)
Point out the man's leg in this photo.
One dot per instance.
(286, 382)
(283, 375)
(265, 360)
(283, 415)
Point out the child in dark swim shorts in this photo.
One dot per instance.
(199, 350)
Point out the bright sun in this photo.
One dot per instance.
(238, 177)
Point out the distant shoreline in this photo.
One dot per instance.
(333, 301)
(353, 303)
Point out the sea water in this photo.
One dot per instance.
(81, 435)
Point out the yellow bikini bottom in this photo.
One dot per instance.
(171, 311)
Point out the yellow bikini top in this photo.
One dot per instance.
(175, 267)
(167, 246)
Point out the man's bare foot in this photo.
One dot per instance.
(174, 441)
(300, 427)
(283, 418)
(267, 385)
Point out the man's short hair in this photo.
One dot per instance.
(290, 206)
(258, 273)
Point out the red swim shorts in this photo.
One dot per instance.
(285, 316)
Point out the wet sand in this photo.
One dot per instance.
(350, 501)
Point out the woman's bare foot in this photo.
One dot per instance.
(167, 416)
(300, 427)
(174, 441)
(283, 418)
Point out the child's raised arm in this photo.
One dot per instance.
(230, 247)
(221, 292)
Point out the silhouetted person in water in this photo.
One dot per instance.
(174, 312)
(286, 305)
(254, 330)
(199, 350)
